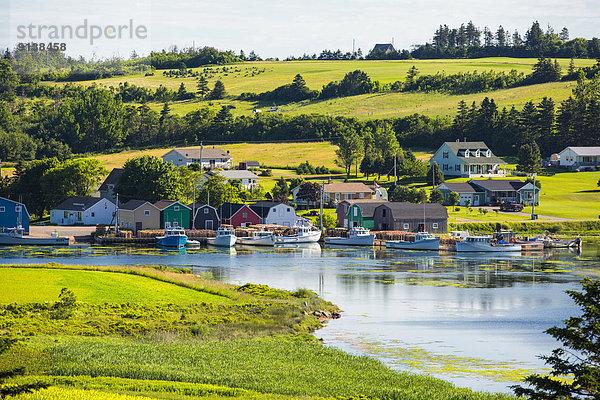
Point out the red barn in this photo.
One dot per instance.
(238, 215)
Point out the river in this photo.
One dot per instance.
(475, 320)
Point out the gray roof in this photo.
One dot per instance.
(585, 151)
(499, 185)
(237, 174)
(206, 153)
(162, 204)
(367, 208)
(79, 203)
(464, 187)
(383, 47)
(415, 211)
(262, 208)
(252, 163)
(133, 204)
(112, 178)
(458, 149)
(227, 210)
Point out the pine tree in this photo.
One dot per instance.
(529, 158)
(218, 91)
(435, 172)
(202, 86)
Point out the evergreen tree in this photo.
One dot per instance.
(546, 122)
(577, 359)
(453, 199)
(202, 86)
(218, 91)
(435, 176)
(529, 158)
(436, 196)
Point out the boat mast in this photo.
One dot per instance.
(533, 202)
(117, 216)
(321, 217)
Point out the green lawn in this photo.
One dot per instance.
(19, 285)
(263, 76)
(464, 215)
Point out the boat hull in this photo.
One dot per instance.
(172, 241)
(425, 244)
(222, 241)
(363, 240)
(311, 237)
(263, 241)
(484, 247)
(34, 241)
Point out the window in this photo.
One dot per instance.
(348, 197)
(273, 210)
(66, 214)
(355, 212)
(205, 210)
(444, 167)
(337, 196)
(466, 153)
(361, 195)
(93, 215)
(176, 208)
(435, 225)
(176, 224)
(383, 213)
(146, 212)
(445, 154)
(79, 216)
(457, 167)
(17, 208)
(466, 167)
(488, 153)
(2, 209)
(477, 153)
(405, 226)
(289, 210)
(245, 215)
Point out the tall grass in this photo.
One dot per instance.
(279, 365)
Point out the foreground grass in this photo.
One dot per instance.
(232, 341)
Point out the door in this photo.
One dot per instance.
(138, 226)
(208, 224)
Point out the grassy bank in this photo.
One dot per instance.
(160, 332)
(532, 228)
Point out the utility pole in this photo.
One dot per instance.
(117, 216)
(395, 178)
(533, 202)
(321, 217)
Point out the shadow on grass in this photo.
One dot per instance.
(589, 191)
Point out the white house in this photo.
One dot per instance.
(273, 213)
(85, 211)
(468, 159)
(580, 157)
(248, 178)
(211, 157)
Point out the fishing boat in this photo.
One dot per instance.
(356, 237)
(16, 237)
(225, 238)
(303, 234)
(173, 237)
(258, 238)
(423, 241)
(485, 244)
(561, 244)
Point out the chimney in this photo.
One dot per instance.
(329, 181)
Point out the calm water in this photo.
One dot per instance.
(475, 320)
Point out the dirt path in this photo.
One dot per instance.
(72, 231)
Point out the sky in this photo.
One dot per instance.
(272, 28)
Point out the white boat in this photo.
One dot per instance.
(259, 238)
(356, 237)
(16, 236)
(303, 235)
(459, 235)
(173, 237)
(423, 241)
(485, 244)
(225, 238)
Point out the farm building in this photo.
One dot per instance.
(409, 217)
(12, 214)
(352, 213)
(136, 215)
(107, 189)
(84, 210)
(468, 159)
(273, 213)
(485, 192)
(248, 179)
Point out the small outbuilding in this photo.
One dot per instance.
(12, 214)
(84, 210)
(238, 215)
(173, 214)
(409, 217)
(205, 217)
(136, 215)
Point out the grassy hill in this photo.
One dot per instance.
(263, 76)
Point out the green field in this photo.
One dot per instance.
(263, 76)
(165, 333)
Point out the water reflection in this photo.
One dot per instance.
(476, 319)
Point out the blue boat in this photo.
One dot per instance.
(173, 237)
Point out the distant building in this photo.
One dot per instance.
(211, 157)
(136, 215)
(107, 189)
(248, 164)
(83, 210)
(580, 157)
(386, 48)
(334, 192)
(248, 179)
(353, 213)
(468, 159)
(13, 213)
(409, 217)
(484, 192)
